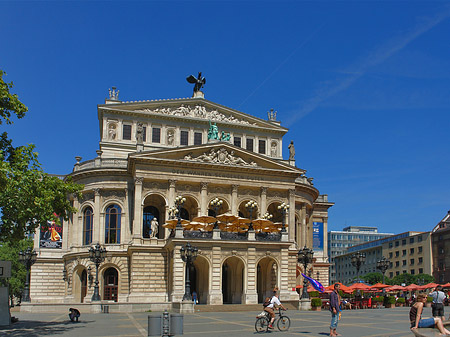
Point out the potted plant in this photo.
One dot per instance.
(389, 302)
(401, 301)
(429, 301)
(316, 304)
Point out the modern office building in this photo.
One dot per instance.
(440, 246)
(340, 241)
(151, 152)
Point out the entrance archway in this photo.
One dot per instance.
(266, 278)
(83, 279)
(111, 284)
(200, 281)
(154, 207)
(232, 280)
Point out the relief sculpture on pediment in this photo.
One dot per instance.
(197, 111)
(221, 156)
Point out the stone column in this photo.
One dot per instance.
(234, 199)
(126, 232)
(263, 206)
(77, 230)
(215, 286)
(171, 196)
(302, 224)
(251, 294)
(204, 199)
(137, 221)
(291, 215)
(97, 228)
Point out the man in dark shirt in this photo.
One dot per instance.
(334, 308)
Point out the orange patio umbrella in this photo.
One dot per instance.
(227, 217)
(379, 286)
(412, 287)
(394, 288)
(447, 285)
(359, 286)
(344, 288)
(171, 224)
(428, 286)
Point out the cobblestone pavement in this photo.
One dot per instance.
(357, 323)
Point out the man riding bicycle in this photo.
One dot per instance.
(269, 308)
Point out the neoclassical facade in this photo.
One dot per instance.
(149, 153)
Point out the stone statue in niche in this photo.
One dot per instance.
(112, 131)
(140, 133)
(154, 227)
(170, 137)
(273, 149)
(291, 150)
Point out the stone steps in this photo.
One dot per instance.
(235, 307)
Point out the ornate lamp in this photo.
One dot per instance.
(251, 206)
(188, 255)
(267, 216)
(383, 265)
(27, 258)
(90, 277)
(97, 255)
(358, 259)
(179, 202)
(305, 257)
(283, 209)
(216, 204)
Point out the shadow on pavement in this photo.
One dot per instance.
(25, 328)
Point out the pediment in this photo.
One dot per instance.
(220, 154)
(192, 109)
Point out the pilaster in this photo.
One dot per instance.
(234, 199)
(137, 221)
(215, 294)
(97, 228)
(263, 208)
(204, 198)
(291, 215)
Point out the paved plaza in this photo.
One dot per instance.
(355, 323)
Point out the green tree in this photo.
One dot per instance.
(403, 278)
(423, 278)
(372, 278)
(28, 195)
(9, 251)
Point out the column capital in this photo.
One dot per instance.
(172, 183)
(204, 185)
(138, 180)
(96, 192)
(234, 188)
(292, 192)
(263, 190)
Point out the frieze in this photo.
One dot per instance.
(107, 194)
(86, 196)
(249, 192)
(197, 111)
(221, 156)
(276, 194)
(154, 185)
(187, 188)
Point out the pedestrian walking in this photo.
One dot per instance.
(335, 301)
(437, 307)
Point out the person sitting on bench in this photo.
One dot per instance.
(415, 317)
(74, 314)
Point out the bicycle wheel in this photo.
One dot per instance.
(261, 324)
(283, 323)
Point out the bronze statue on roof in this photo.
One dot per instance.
(199, 81)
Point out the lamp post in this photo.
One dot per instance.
(97, 255)
(27, 258)
(305, 257)
(267, 216)
(251, 206)
(216, 204)
(357, 260)
(383, 265)
(188, 255)
(179, 202)
(283, 209)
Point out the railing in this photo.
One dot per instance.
(101, 163)
(268, 236)
(197, 235)
(234, 236)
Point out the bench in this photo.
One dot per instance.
(427, 332)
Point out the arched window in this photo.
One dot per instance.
(112, 225)
(150, 212)
(111, 285)
(88, 221)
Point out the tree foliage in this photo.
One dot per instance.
(28, 195)
(9, 251)
(9, 103)
(372, 278)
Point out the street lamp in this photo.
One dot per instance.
(357, 260)
(179, 202)
(216, 204)
(267, 216)
(305, 257)
(283, 209)
(27, 258)
(251, 206)
(188, 255)
(97, 255)
(383, 265)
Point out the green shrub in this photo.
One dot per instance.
(401, 300)
(390, 300)
(429, 299)
(316, 302)
(313, 294)
(378, 299)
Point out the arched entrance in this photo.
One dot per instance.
(154, 208)
(243, 211)
(111, 284)
(200, 279)
(276, 213)
(266, 278)
(232, 280)
(83, 279)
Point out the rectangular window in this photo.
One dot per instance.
(411, 240)
(390, 245)
(237, 141)
(156, 135)
(397, 273)
(420, 270)
(420, 260)
(397, 263)
(397, 243)
(412, 271)
(249, 144)
(262, 146)
(404, 252)
(404, 263)
(184, 135)
(391, 274)
(397, 253)
(403, 242)
(126, 134)
(419, 238)
(420, 249)
(144, 136)
(198, 138)
(411, 262)
(411, 251)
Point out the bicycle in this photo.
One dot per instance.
(262, 322)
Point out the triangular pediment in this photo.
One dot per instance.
(194, 109)
(219, 154)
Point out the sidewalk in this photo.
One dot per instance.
(354, 323)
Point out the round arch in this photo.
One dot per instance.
(190, 207)
(243, 212)
(224, 208)
(154, 205)
(272, 208)
(80, 283)
(266, 277)
(233, 280)
(199, 277)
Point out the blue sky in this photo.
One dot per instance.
(362, 85)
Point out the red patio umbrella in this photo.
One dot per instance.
(359, 286)
(394, 288)
(379, 286)
(447, 285)
(344, 288)
(428, 286)
(412, 287)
